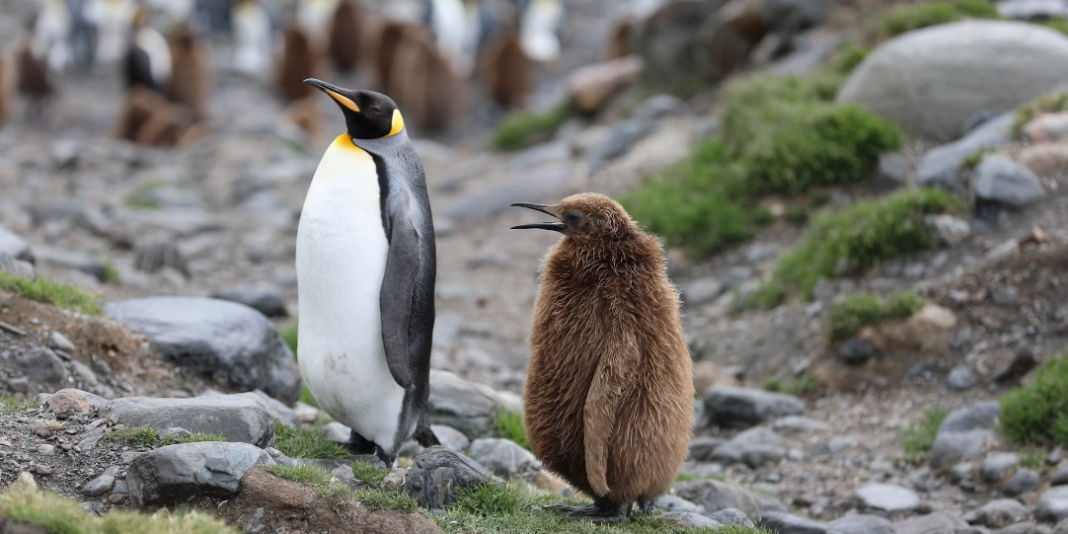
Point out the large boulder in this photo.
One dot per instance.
(468, 407)
(886, 500)
(505, 458)
(932, 81)
(224, 340)
(236, 418)
(14, 246)
(438, 472)
(172, 474)
(963, 433)
(745, 407)
(1052, 506)
(941, 166)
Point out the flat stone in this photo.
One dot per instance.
(280, 412)
(462, 405)
(1025, 480)
(264, 301)
(14, 246)
(450, 437)
(963, 433)
(731, 516)
(998, 514)
(716, 495)
(784, 523)
(438, 472)
(505, 458)
(42, 366)
(961, 377)
(215, 337)
(796, 423)
(1002, 180)
(239, 419)
(745, 407)
(936, 523)
(1052, 506)
(700, 291)
(862, 524)
(703, 447)
(19, 268)
(672, 503)
(1059, 476)
(941, 166)
(690, 519)
(886, 499)
(173, 474)
(101, 484)
(755, 447)
(996, 465)
(67, 403)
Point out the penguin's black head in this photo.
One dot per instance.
(368, 115)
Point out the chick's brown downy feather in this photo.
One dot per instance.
(609, 393)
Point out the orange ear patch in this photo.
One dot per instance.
(398, 123)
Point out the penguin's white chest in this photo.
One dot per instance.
(341, 261)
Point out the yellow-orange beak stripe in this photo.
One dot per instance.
(345, 101)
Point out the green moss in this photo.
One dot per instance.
(849, 57)
(973, 159)
(111, 273)
(336, 493)
(1049, 103)
(141, 197)
(368, 473)
(63, 516)
(906, 18)
(919, 437)
(146, 436)
(1035, 460)
(61, 295)
(394, 500)
(858, 236)
(794, 386)
(516, 509)
(194, 437)
(858, 310)
(12, 404)
(1060, 25)
(523, 129)
(510, 426)
(796, 215)
(1038, 412)
(299, 443)
(303, 474)
(289, 331)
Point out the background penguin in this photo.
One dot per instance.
(424, 81)
(51, 34)
(190, 81)
(389, 38)
(111, 19)
(148, 58)
(5, 87)
(314, 16)
(35, 80)
(346, 35)
(365, 270)
(299, 62)
(253, 35)
(539, 21)
(619, 44)
(609, 393)
(506, 70)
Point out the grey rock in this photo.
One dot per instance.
(438, 472)
(702, 448)
(784, 523)
(963, 433)
(1052, 506)
(862, 524)
(754, 447)
(947, 229)
(14, 246)
(450, 437)
(936, 523)
(1023, 481)
(941, 166)
(1001, 180)
(121, 486)
(41, 366)
(335, 431)
(746, 407)
(19, 268)
(240, 420)
(346, 476)
(82, 212)
(671, 503)
(624, 135)
(716, 495)
(658, 106)
(962, 377)
(264, 301)
(1059, 476)
(1004, 296)
(997, 514)
(1022, 363)
(541, 154)
(981, 415)
(153, 253)
(962, 472)
(796, 423)
(69, 259)
(855, 351)
(252, 522)
(731, 516)
(101, 484)
(690, 519)
(894, 169)
(461, 404)
(666, 39)
(174, 473)
(1061, 528)
(790, 16)
(279, 411)
(59, 341)
(504, 458)
(701, 291)
(995, 67)
(996, 465)
(280, 458)
(1033, 9)
(886, 500)
(1027, 527)
(216, 338)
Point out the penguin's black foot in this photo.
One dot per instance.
(359, 445)
(646, 506)
(595, 513)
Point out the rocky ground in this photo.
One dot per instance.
(219, 219)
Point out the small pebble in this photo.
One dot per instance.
(46, 449)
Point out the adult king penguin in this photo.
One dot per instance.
(365, 274)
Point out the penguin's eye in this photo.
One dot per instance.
(573, 218)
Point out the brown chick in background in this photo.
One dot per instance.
(507, 71)
(609, 393)
(299, 62)
(190, 82)
(346, 35)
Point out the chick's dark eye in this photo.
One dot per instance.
(573, 217)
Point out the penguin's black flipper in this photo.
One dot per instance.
(398, 299)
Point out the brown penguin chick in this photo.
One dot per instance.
(424, 82)
(190, 81)
(389, 38)
(299, 62)
(5, 87)
(507, 71)
(609, 393)
(619, 45)
(34, 80)
(139, 106)
(346, 35)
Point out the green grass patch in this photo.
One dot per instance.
(1037, 413)
(394, 500)
(510, 426)
(858, 310)
(194, 437)
(779, 135)
(12, 404)
(793, 386)
(111, 273)
(1060, 25)
(288, 331)
(849, 57)
(146, 436)
(516, 509)
(335, 493)
(1048, 103)
(63, 516)
(1034, 460)
(299, 443)
(141, 197)
(901, 19)
(368, 473)
(920, 436)
(859, 236)
(303, 474)
(522, 129)
(973, 159)
(60, 295)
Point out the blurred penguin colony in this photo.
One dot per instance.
(422, 53)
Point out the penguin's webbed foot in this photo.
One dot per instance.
(360, 446)
(646, 506)
(594, 513)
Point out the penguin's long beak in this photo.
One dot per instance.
(334, 92)
(544, 208)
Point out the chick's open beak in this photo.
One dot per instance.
(334, 92)
(544, 208)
